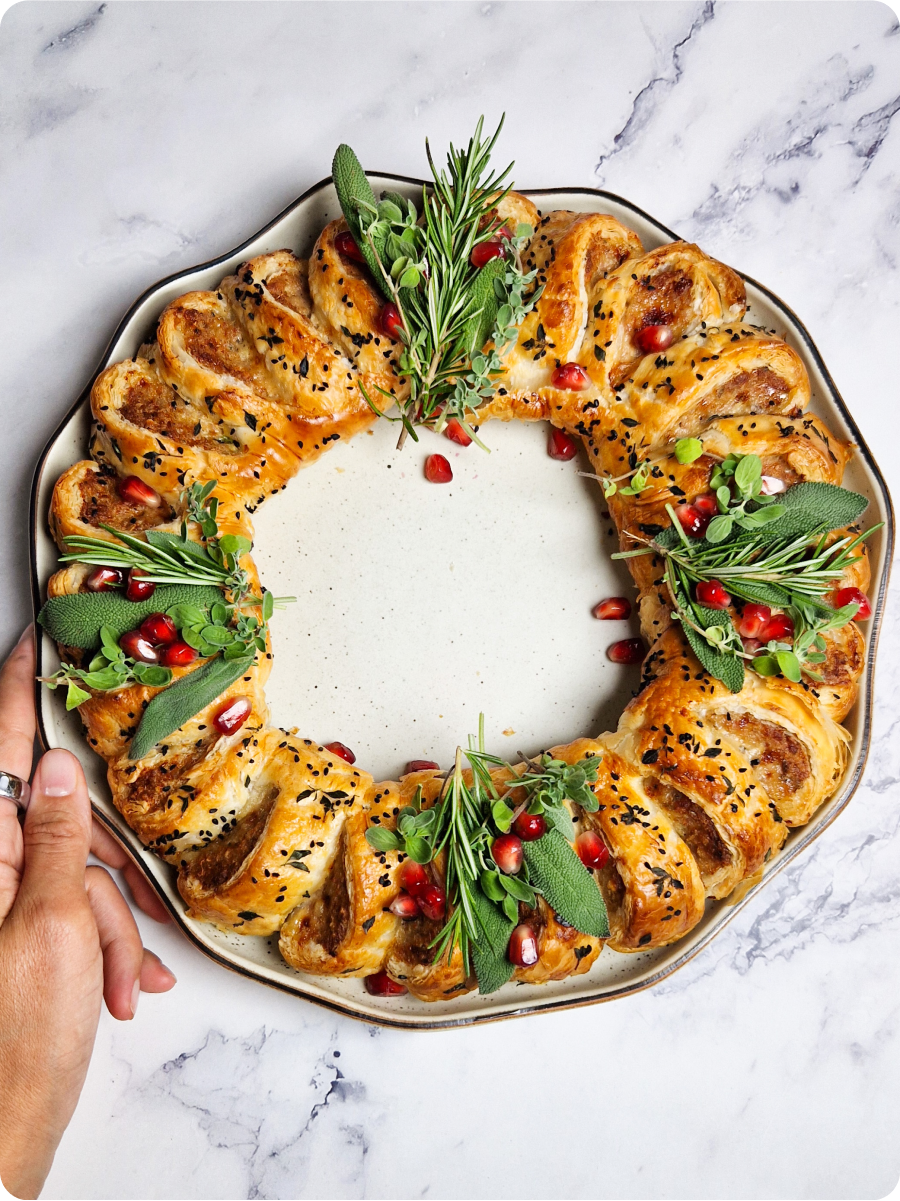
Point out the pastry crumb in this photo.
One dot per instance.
(508, 733)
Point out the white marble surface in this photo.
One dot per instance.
(138, 139)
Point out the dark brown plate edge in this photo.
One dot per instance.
(536, 1007)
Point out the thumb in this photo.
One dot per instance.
(57, 831)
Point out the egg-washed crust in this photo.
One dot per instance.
(697, 788)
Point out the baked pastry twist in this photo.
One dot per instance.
(697, 788)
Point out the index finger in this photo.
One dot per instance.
(16, 748)
(17, 720)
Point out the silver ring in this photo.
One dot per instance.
(15, 789)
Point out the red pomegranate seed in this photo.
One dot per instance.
(614, 608)
(381, 985)
(158, 629)
(530, 826)
(414, 878)
(177, 654)
(771, 485)
(591, 849)
(102, 579)
(751, 645)
(561, 446)
(138, 589)
(455, 432)
(437, 470)
(421, 765)
(571, 377)
(432, 901)
(345, 245)
(851, 596)
(692, 521)
(233, 714)
(653, 338)
(712, 594)
(629, 650)
(139, 493)
(777, 628)
(523, 948)
(133, 643)
(405, 906)
(391, 322)
(706, 504)
(342, 752)
(507, 853)
(485, 251)
(753, 619)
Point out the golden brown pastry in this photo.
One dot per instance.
(696, 789)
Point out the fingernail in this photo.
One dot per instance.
(58, 773)
(171, 974)
(135, 997)
(27, 634)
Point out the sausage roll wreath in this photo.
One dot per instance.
(746, 554)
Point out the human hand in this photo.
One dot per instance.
(67, 940)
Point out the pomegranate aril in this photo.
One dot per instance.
(177, 654)
(102, 579)
(345, 245)
(712, 594)
(753, 619)
(138, 589)
(614, 608)
(437, 470)
(342, 752)
(530, 826)
(591, 850)
(159, 630)
(405, 906)
(561, 446)
(485, 251)
(508, 854)
(771, 485)
(391, 323)
(571, 377)
(851, 596)
(706, 504)
(134, 644)
(413, 877)
(777, 628)
(629, 650)
(653, 338)
(432, 901)
(381, 985)
(455, 432)
(692, 521)
(523, 948)
(421, 765)
(233, 714)
(139, 493)
(751, 645)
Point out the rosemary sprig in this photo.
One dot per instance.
(768, 551)
(450, 309)
(462, 825)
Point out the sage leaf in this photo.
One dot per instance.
(569, 888)
(492, 967)
(177, 704)
(719, 664)
(77, 619)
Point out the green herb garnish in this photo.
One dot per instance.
(421, 261)
(462, 825)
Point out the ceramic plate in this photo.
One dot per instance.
(420, 607)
